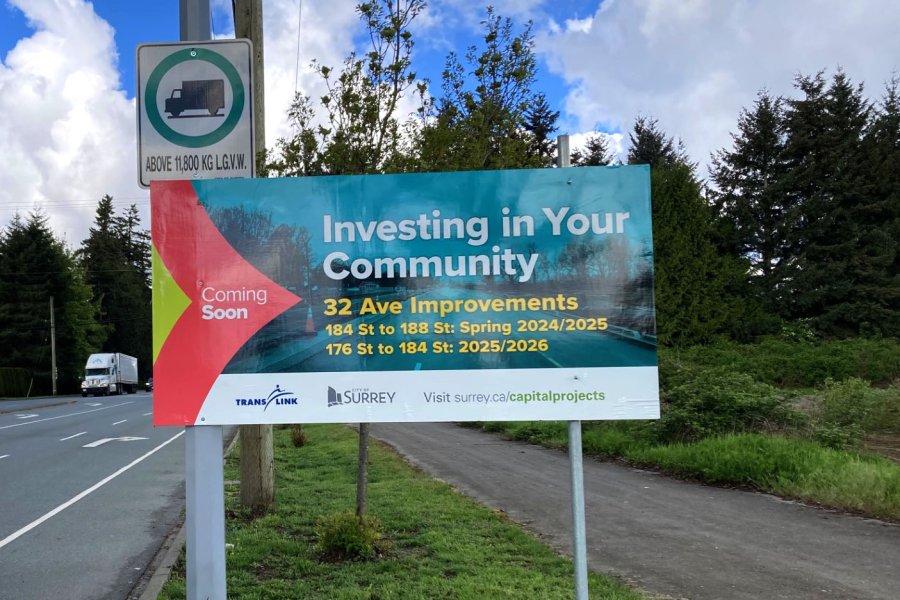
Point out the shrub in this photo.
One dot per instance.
(885, 413)
(344, 536)
(847, 403)
(798, 362)
(298, 436)
(715, 401)
(846, 407)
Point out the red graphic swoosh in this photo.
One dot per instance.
(198, 257)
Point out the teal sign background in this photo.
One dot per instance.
(279, 225)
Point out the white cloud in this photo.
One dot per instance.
(694, 64)
(68, 130)
(325, 34)
(614, 141)
(68, 135)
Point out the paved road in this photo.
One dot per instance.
(669, 537)
(66, 529)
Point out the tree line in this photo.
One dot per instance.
(100, 291)
(796, 226)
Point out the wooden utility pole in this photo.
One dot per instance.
(257, 453)
(52, 345)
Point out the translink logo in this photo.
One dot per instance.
(278, 396)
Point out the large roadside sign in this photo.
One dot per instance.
(194, 111)
(481, 296)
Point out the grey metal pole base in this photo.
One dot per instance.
(205, 513)
(579, 537)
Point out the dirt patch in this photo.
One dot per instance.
(886, 444)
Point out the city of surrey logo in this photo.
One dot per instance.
(359, 396)
(334, 398)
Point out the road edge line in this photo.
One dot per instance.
(7, 411)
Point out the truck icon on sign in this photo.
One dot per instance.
(199, 94)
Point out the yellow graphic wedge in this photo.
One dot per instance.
(169, 302)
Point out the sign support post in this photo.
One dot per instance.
(205, 512)
(204, 471)
(576, 466)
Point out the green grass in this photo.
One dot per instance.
(442, 544)
(789, 467)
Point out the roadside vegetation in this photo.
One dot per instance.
(428, 541)
(794, 418)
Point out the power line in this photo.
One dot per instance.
(30, 273)
(77, 202)
(297, 65)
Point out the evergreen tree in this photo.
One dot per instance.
(541, 123)
(876, 265)
(824, 188)
(116, 260)
(749, 198)
(596, 152)
(651, 146)
(698, 290)
(35, 267)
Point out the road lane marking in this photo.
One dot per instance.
(14, 536)
(84, 412)
(26, 416)
(118, 439)
(95, 404)
(4, 456)
(148, 414)
(122, 421)
(72, 436)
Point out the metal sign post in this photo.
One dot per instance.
(576, 466)
(204, 476)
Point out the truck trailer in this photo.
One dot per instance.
(200, 94)
(109, 373)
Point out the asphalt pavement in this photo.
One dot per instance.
(669, 537)
(90, 489)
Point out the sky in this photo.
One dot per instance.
(67, 74)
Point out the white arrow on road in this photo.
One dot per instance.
(118, 439)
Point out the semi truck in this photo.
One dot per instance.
(110, 373)
(198, 94)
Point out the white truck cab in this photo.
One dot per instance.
(109, 373)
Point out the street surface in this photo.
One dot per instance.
(669, 537)
(90, 490)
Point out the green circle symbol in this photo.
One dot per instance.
(237, 92)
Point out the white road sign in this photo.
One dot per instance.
(195, 111)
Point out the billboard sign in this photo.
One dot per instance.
(194, 111)
(496, 295)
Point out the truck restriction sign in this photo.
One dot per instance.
(195, 111)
